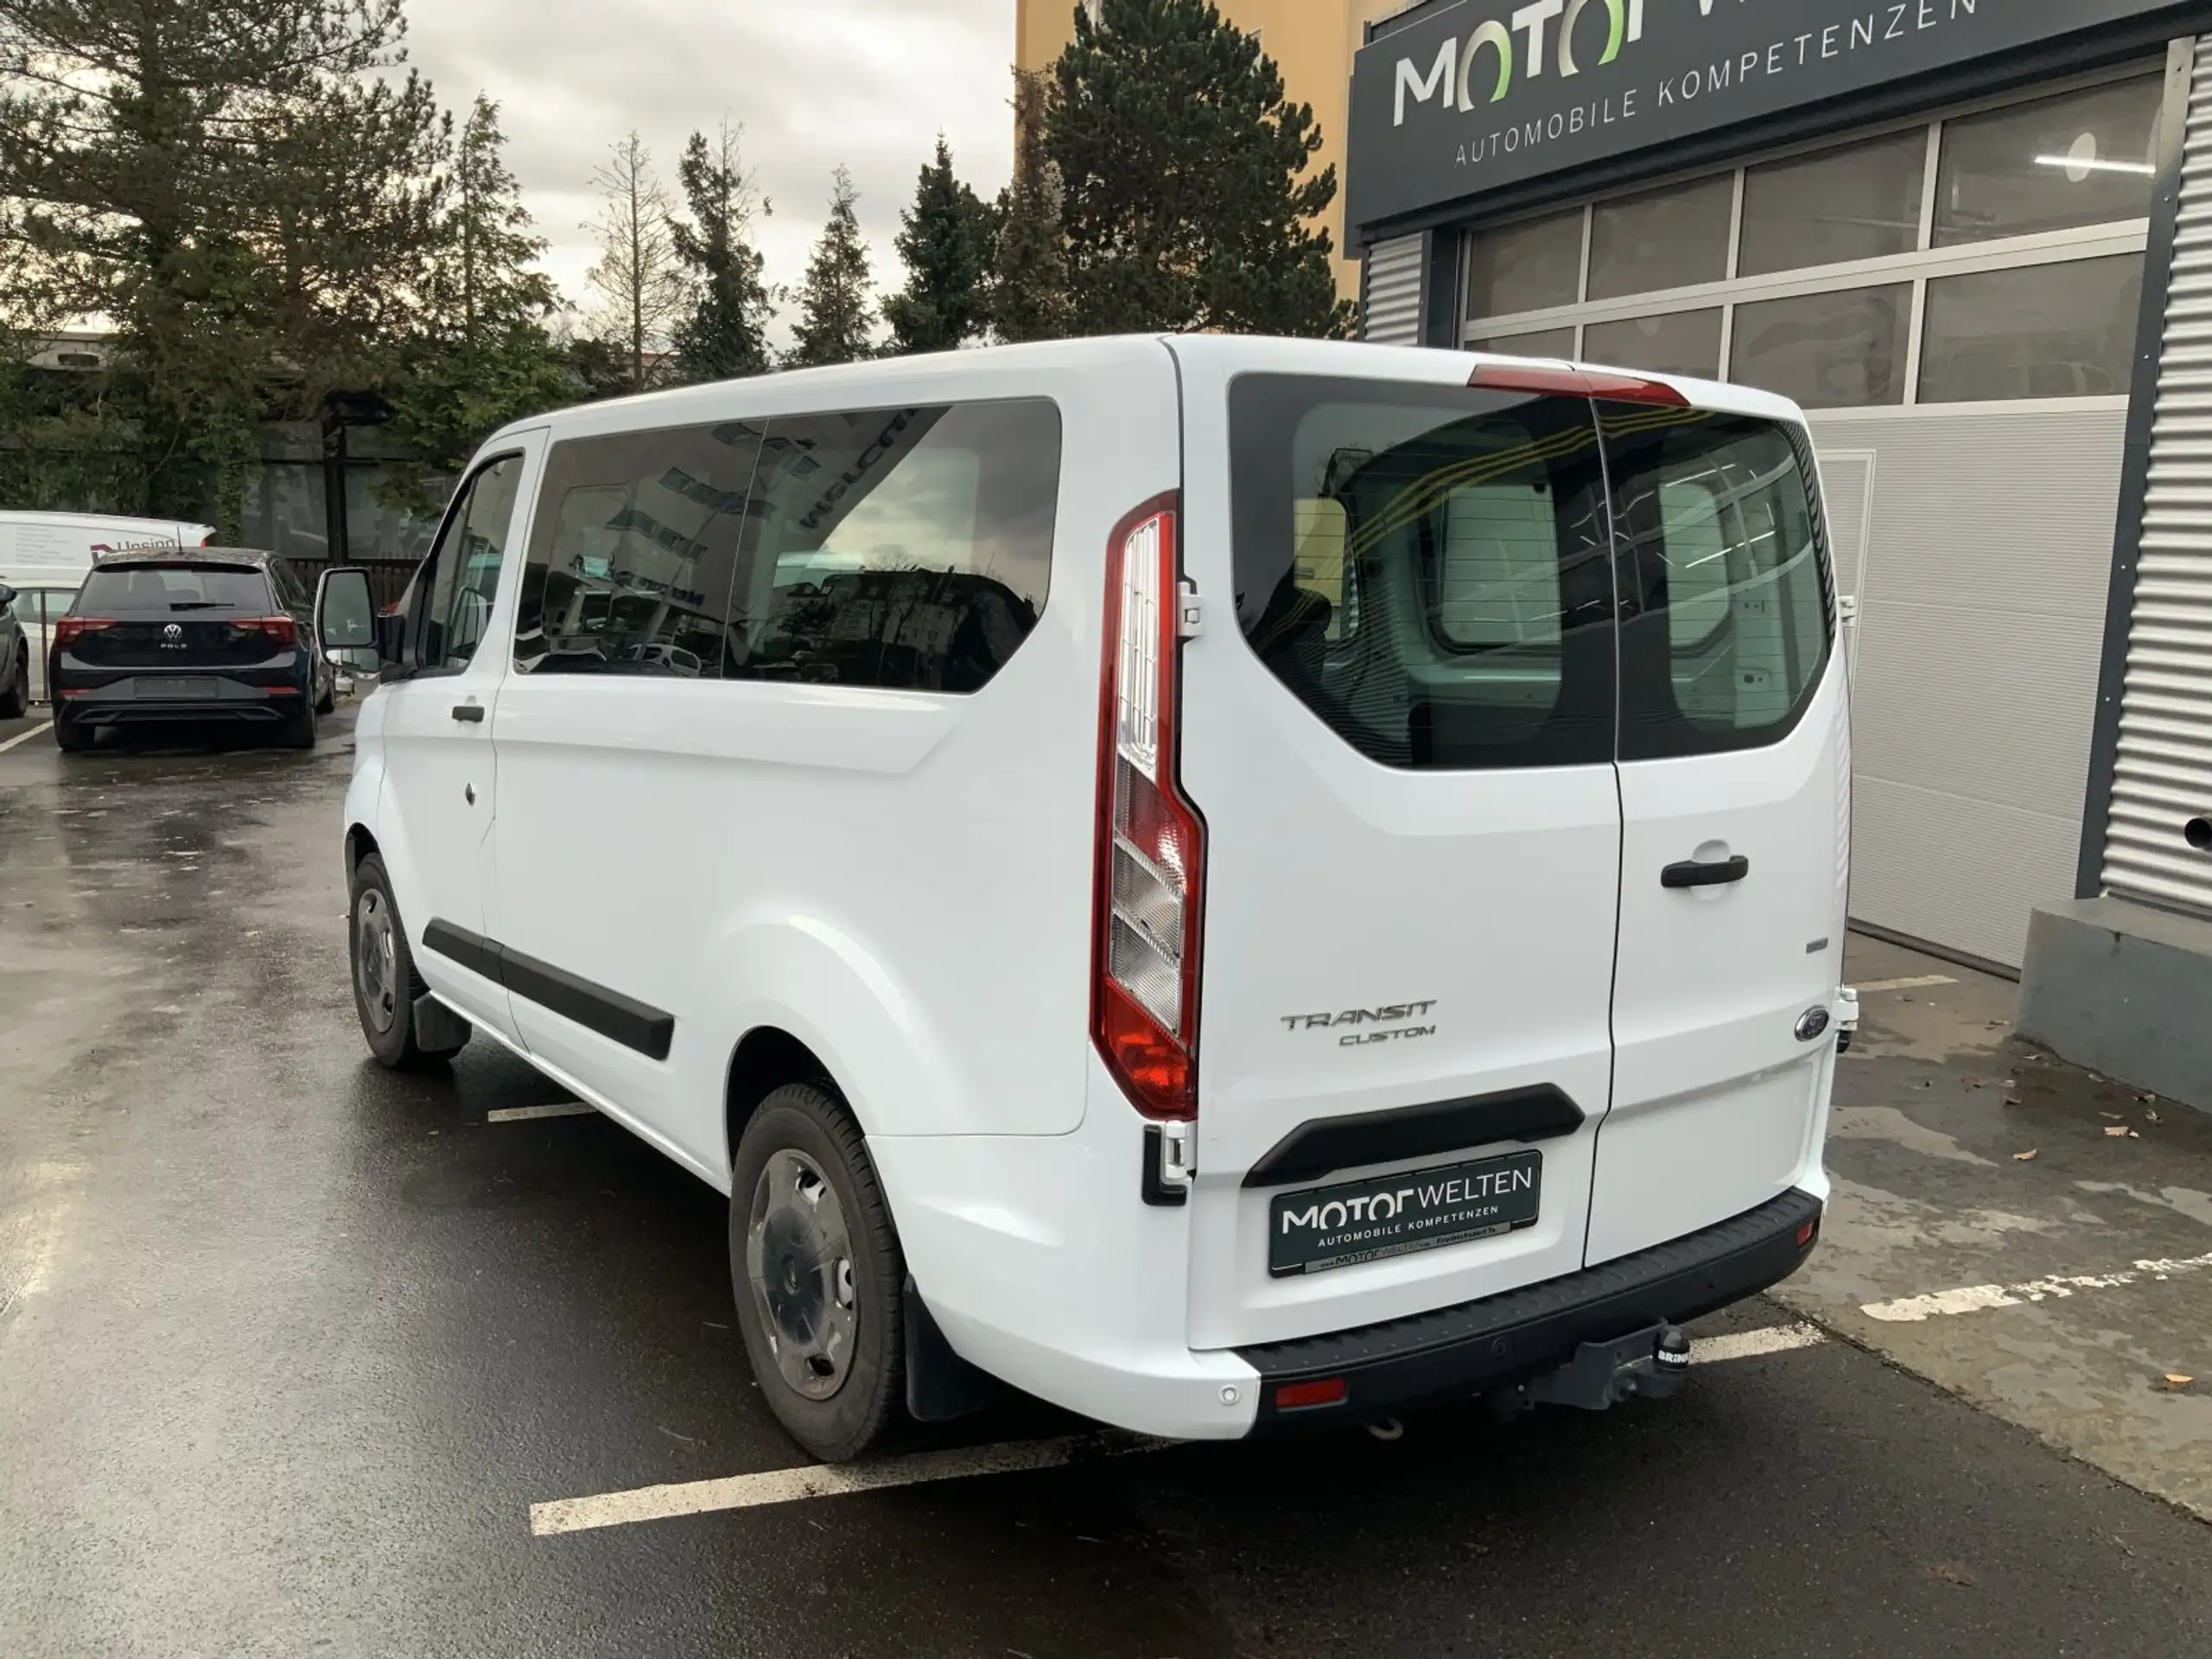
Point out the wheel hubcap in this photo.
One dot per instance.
(799, 1259)
(376, 960)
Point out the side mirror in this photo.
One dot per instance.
(345, 610)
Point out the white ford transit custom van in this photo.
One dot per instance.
(1229, 883)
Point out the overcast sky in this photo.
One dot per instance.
(868, 83)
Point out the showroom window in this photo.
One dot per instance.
(1994, 253)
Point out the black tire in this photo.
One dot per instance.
(328, 701)
(386, 1009)
(809, 1121)
(72, 738)
(299, 727)
(16, 700)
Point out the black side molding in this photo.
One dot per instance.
(1325, 1145)
(620, 1018)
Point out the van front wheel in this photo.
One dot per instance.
(818, 1275)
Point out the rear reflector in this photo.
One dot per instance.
(1574, 383)
(1144, 996)
(70, 628)
(1808, 1232)
(1301, 1396)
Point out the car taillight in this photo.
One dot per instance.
(1151, 850)
(278, 628)
(70, 628)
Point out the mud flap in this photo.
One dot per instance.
(940, 1385)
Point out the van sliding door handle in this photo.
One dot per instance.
(472, 712)
(1691, 874)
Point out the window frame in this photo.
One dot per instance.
(424, 582)
(1927, 263)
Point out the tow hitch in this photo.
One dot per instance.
(1651, 1364)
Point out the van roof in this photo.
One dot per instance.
(168, 527)
(1218, 356)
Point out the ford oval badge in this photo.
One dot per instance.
(1811, 1024)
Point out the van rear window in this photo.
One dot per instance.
(1427, 570)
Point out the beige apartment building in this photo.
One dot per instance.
(1310, 40)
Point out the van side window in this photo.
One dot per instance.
(1725, 599)
(631, 559)
(465, 568)
(1428, 569)
(902, 548)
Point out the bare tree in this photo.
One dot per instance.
(638, 277)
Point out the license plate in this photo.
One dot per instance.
(168, 689)
(1395, 1214)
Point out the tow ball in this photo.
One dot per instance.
(1652, 1363)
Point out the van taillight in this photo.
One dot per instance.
(1144, 993)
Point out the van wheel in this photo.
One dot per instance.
(16, 700)
(818, 1274)
(386, 983)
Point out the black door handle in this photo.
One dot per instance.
(471, 712)
(1691, 874)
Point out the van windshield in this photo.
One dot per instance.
(1428, 569)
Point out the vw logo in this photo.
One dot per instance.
(174, 631)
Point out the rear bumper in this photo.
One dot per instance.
(1502, 1339)
(139, 700)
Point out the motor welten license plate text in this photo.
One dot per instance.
(1393, 1215)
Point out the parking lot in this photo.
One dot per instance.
(298, 1355)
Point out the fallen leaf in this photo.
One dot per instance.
(2118, 1128)
(2178, 1380)
(2024, 1157)
(2135, 1134)
(2150, 1117)
(1952, 1573)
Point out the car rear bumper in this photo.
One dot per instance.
(1500, 1340)
(142, 699)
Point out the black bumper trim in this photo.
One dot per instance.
(1499, 1340)
(1323, 1146)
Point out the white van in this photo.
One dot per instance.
(1229, 883)
(44, 556)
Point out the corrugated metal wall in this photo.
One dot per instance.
(2161, 776)
(1982, 568)
(1390, 310)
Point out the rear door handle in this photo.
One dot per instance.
(1691, 874)
(472, 712)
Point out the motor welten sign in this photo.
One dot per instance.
(1487, 92)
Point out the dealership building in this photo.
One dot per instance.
(1973, 239)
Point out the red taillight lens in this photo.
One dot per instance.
(1144, 998)
(1574, 383)
(278, 628)
(71, 627)
(1321, 1391)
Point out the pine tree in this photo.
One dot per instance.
(638, 278)
(484, 356)
(245, 189)
(1029, 264)
(834, 301)
(725, 333)
(1187, 204)
(945, 242)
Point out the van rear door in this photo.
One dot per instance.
(1735, 789)
(1405, 766)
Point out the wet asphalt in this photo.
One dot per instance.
(290, 1345)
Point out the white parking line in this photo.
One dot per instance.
(1972, 1299)
(1912, 984)
(25, 737)
(792, 1485)
(522, 1114)
(1749, 1345)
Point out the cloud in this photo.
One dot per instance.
(868, 83)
